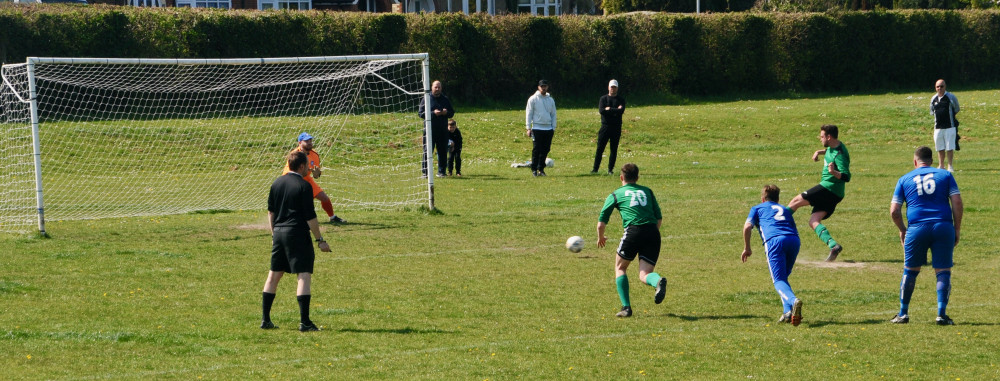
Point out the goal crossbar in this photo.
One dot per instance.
(224, 61)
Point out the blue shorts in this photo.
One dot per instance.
(939, 236)
(781, 253)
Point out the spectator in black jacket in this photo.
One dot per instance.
(441, 111)
(455, 144)
(611, 106)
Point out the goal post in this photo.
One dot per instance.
(118, 137)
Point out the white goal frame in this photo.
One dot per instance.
(32, 101)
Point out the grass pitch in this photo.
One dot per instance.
(485, 290)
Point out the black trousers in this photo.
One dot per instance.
(455, 161)
(541, 144)
(440, 142)
(604, 136)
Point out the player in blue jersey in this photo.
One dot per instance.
(934, 213)
(781, 242)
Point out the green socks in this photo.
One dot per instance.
(622, 283)
(652, 279)
(824, 235)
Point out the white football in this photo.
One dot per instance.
(550, 163)
(574, 244)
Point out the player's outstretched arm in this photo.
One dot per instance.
(747, 229)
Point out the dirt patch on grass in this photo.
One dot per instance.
(252, 227)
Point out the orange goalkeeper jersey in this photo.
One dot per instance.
(313, 163)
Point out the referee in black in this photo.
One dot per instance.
(290, 217)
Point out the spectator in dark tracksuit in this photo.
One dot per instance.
(611, 106)
(455, 148)
(441, 111)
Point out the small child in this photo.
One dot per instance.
(454, 148)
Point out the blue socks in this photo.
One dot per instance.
(786, 294)
(943, 290)
(906, 290)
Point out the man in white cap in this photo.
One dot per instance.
(611, 106)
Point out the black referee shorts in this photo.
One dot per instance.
(292, 250)
(822, 200)
(641, 240)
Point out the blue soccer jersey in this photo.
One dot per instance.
(927, 194)
(772, 219)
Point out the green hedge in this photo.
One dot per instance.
(500, 58)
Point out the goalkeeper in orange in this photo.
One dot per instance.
(305, 146)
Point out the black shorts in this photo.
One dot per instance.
(822, 200)
(641, 240)
(292, 250)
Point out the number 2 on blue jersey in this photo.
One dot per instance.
(779, 212)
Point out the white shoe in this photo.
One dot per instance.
(951, 169)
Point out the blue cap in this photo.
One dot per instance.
(305, 136)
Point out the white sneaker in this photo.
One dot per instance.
(951, 169)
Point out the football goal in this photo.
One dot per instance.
(86, 138)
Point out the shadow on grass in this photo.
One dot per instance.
(824, 323)
(354, 226)
(399, 331)
(487, 177)
(474, 177)
(977, 323)
(715, 317)
(597, 174)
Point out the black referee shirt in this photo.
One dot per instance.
(291, 201)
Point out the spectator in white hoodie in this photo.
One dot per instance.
(540, 122)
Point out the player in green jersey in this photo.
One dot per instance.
(641, 220)
(830, 191)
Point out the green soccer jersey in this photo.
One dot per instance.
(636, 204)
(842, 159)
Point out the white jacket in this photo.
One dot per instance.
(541, 112)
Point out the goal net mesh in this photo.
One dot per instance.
(152, 139)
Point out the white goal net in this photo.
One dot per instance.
(134, 137)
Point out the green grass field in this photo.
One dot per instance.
(486, 290)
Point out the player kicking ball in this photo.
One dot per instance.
(641, 220)
(830, 191)
(781, 242)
